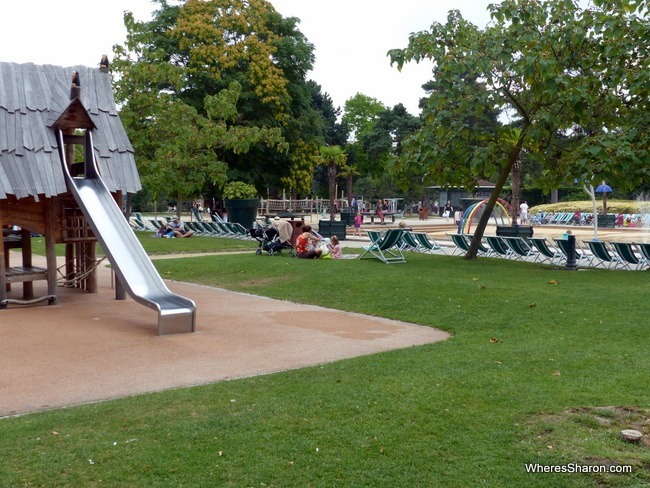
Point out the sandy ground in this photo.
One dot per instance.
(90, 347)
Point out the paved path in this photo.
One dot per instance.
(90, 347)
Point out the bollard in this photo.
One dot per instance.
(571, 254)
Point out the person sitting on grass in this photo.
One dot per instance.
(335, 248)
(178, 228)
(304, 249)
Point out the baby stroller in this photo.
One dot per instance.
(269, 241)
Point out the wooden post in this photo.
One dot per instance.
(50, 250)
(92, 261)
(26, 242)
(4, 263)
(78, 264)
(120, 291)
(69, 261)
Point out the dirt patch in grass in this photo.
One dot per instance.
(617, 418)
(591, 436)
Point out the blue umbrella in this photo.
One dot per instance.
(604, 189)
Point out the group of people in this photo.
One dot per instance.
(174, 228)
(308, 245)
(449, 212)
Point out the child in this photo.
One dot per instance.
(358, 219)
(335, 248)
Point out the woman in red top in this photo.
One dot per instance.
(302, 244)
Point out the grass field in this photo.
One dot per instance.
(545, 366)
(155, 246)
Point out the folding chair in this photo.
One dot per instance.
(139, 220)
(519, 247)
(463, 242)
(625, 251)
(546, 252)
(604, 254)
(498, 246)
(374, 235)
(426, 244)
(563, 246)
(409, 243)
(196, 214)
(385, 249)
(644, 247)
(460, 241)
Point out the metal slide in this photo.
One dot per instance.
(176, 314)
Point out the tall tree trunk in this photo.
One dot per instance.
(516, 190)
(348, 189)
(513, 156)
(331, 178)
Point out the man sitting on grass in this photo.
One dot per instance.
(177, 228)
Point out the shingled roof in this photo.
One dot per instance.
(32, 98)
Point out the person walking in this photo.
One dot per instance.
(448, 211)
(358, 220)
(523, 212)
(458, 218)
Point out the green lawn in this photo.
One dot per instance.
(155, 246)
(539, 366)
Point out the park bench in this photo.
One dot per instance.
(374, 216)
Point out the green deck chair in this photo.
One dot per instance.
(626, 252)
(426, 244)
(546, 252)
(385, 249)
(605, 255)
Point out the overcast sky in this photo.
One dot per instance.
(351, 38)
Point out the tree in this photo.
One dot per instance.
(331, 157)
(200, 49)
(334, 133)
(348, 172)
(554, 67)
(383, 138)
(361, 112)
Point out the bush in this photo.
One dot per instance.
(237, 190)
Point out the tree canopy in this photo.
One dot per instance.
(216, 89)
(559, 70)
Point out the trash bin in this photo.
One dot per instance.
(347, 216)
(329, 228)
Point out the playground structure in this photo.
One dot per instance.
(501, 211)
(65, 166)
